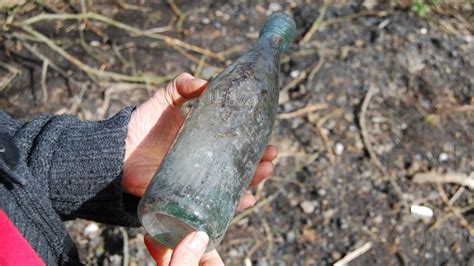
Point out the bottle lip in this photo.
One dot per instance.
(282, 25)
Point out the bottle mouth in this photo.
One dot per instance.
(282, 25)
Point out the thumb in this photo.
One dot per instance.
(183, 88)
(190, 250)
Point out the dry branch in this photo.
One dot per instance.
(437, 178)
(455, 211)
(92, 72)
(135, 31)
(9, 78)
(354, 254)
(315, 26)
(366, 139)
(307, 109)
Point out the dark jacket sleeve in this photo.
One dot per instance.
(79, 162)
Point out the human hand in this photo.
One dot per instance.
(153, 127)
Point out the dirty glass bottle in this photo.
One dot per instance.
(213, 158)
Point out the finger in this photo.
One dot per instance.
(161, 254)
(190, 250)
(211, 258)
(183, 88)
(264, 170)
(246, 201)
(270, 153)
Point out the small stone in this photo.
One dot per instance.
(309, 235)
(423, 31)
(206, 21)
(421, 211)
(293, 202)
(321, 192)
(91, 229)
(443, 157)
(308, 206)
(338, 148)
(95, 43)
(274, 7)
(291, 236)
(378, 219)
(295, 73)
(336, 255)
(234, 253)
(428, 255)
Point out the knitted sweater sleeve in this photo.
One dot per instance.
(79, 164)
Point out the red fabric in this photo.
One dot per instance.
(14, 249)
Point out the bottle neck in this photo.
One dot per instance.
(272, 44)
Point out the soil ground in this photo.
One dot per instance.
(392, 93)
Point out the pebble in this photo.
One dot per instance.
(291, 236)
(295, 73)
(274, 7)
(95, 43)
(321, 192)
(336, 255)
(378, 219)
(308, 206)
(91, 229)
(206, 21)
(421, 211)
(338, 148)
(443, 157)
(423, 31)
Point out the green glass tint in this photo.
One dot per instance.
(213, 158)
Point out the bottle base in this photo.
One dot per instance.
(166, 229)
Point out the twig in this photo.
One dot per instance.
(350, 17)
(41, 56)
(136, 31)
(269, 235)
(456, 195)
(365, 137)
(92, 71)
(44, 88)
(126, 251)
(76, 103)
(316, 24)
(327, 143)
(315, 69)
(13, 72)
(324, 136)
(447, 216)
(354, 254)
(197, 71)
(81, 25)
(455, 178)
(174, 8)
(455, 210)
(296, 81)
(260, 204)
(125, 5)
(247, 260)
(464, 108)
(179, 23)
(307, 109)
(113, 88)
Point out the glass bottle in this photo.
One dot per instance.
(213, 158)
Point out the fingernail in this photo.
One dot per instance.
(199, 82)
(198, 242)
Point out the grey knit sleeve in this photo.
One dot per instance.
(80, 163)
